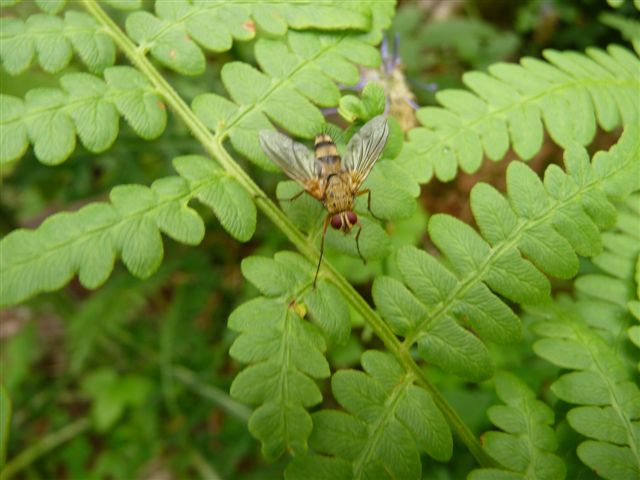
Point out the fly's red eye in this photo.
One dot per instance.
(336, 222)
(352, 218)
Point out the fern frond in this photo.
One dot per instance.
(526, 444)
(54, 40)
(180, 30)
(609, 399)
(285, 350)
(628, 27)
(615, 292)
(294, 74)
(390, 422)
(570, 94)
(55, 6)
(586, 335)
(86, 242)
(549, 223)
(88, 106)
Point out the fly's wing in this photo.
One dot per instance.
(293, 158)
(364, 148)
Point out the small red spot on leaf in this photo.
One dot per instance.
(249, 25)
(161, 105)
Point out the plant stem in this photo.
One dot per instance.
(219, 397)
(44, 445)
(213, 145)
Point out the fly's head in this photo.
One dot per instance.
(344, 221)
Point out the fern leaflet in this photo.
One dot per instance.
(86, 242)
(87, 106)
(285, 350)
(527, 441)
(547, 222)
(609, 411)
(54, 40)
(511, 102)
(391, 422)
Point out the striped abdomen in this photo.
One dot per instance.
(326, 151)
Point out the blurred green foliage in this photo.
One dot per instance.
(147, 361)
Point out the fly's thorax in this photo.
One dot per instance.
(338, 197)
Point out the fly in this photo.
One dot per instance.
(327, 177)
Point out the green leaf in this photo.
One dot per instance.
(373, 240)
(329, 311)
(296, 73)
(13, 133)
(96, 119)
(179, 30)
(397, 305)
(124, 4)
(50, 118)
(610, 461)
(527, 442)
(389, 422)
(288, 351)
(94, 46)
(171, 46)
(17, 48)
(600, 384)
(232, 205)
(571, 94)
(52, 132)
(86, 241)
(174, 217)
(51, 6)
(54, 51)
(136, 101)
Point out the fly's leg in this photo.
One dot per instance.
(324, 233)
(358, 243)
(291, 199)
(368, 192)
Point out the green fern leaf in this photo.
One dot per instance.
(601, 384)
(51, 6)
(570, 95)
(13, 132)
(585, 336)
(441, 298)
(124, 4)
(289, 70)
(88, 106)
(86, 242)
(628, 27)
(179, 31)
(390, 422)
(285, 351)
(526, 444)
(54, 39)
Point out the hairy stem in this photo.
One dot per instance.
(213, 144)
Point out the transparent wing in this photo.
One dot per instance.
(292, 157)
(365, 147)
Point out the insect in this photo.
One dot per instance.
(325, 176)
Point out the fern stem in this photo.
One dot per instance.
(213, 145)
